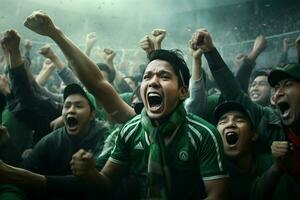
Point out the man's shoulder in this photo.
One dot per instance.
(130, 126)
(199, 123)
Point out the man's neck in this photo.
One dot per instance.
(244, 163)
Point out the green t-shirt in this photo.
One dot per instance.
(194, 154)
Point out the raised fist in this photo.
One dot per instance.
(10, 41)
(147, 44)
(91, 39)
(109, 54)
(40, 23)
(201, 39)
(158, 35)
(47, 51)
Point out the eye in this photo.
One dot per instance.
(146, 76)
(221, 122)
(241, 120)
(288, 83)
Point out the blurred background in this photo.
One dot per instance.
(120, 24)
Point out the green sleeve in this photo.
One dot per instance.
(211, 155)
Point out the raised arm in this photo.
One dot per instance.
(248, 62)
(86, 70)
(225, 79)
(90, 42)
(158, 36)
(197, 102)
(45, 73)
(283, 59)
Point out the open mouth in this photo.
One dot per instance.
(231, 138)
(284, 108)
(155, 101)
(72, 122)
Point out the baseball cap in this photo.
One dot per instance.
(77, 89)
(291, 70)
(228, 106)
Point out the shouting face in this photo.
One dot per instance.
(287, 100)
(77, 114)
(236, 132)
(160, 90)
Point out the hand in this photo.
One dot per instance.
(91, 39)
(48, 64)
(82, 163)
(47, 51)
(28, 45)
(260, 44)
(195, 50)
(158, 36)
(202, 39)
(10, 42)
(109, 55)
(239, 58)
(287, 43)
(147, 44)
(4, 85)
(41, 23)
(4, 135)
(281, 151)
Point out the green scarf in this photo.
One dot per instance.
(159, 178)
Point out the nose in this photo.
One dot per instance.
(154, 81)
(230, 124)
(278, 93)
(71, 109)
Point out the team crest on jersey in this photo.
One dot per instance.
(183, 155)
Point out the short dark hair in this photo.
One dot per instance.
(260, 72)
(175, 58)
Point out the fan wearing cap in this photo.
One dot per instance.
(286, 82)
(251, 175)
(78, 110)
(267, 120)
(48, 163)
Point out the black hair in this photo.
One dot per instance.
(175, 58)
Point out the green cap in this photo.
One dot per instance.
(291, 70)
(77, 89)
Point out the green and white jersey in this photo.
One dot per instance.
(195, 154)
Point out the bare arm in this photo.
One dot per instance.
(45, 73)
(90, 41)
(86, 70)
(21, 177)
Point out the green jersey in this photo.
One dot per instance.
(194, 155)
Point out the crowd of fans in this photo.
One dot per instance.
(150, 123)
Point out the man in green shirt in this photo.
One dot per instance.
(174, 155)
(178, 143)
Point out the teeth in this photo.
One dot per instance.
(153, 95)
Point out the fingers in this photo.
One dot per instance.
(146, 43)
(158, 31)
(82, 162)
(280, 149)
(45, 49)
